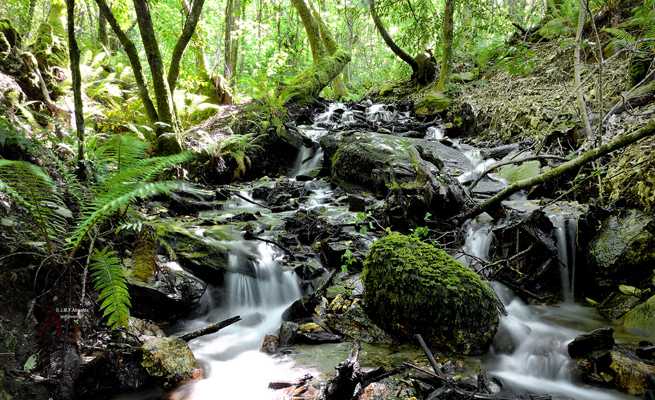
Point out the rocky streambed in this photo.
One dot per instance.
(286, 255)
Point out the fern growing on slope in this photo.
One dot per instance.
(34, 189)
(110, 282)
(127, 177)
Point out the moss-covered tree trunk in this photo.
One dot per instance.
(74, 54)
(307, 86)
(446, 64)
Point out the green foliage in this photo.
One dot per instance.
(233, 147)
(10, 136)
(110, 281)
(34, 189)
(144, 257)
(413, 287)
(347, 259)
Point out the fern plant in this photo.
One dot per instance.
(34, 189)
(127, 178)
(110, 282)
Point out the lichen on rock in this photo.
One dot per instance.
(170, 361)
(412, 287)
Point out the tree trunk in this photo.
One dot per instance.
(447, 45)
(182, 42)
(325, 68)
(389, 41)
(102, 31)
(568, 166)
(576, 71)
(231, 44)
(74, 54)
(163, 96)
(30, 19)
(135, 62)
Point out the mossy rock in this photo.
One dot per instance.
(642, 316)
(170, 361)
(386, 89)
(49, 49)
(4, 44)
(412, 287)
(623, 251)
(11, 34)
(463, 77)
(616, 305)
(431, 104)
(515, 173)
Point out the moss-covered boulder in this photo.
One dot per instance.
(412, 287)
(623, 251)
(642, 316)
(386, 89)
(616, 305)
(431, 104)
(515, 173)
(170, 361)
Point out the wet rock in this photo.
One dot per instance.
(431, 104)
(355, 156)
(175, 295)
(143, 330)
(170, 361)
(204, 256)
(507, 339)
(642, 316)
(334, 291)
(498, 153)
(623, 251)
(288, 332)
(308, 226)
(592, 344)
(616, 305)
(310, 327)
(357, 203)
(301, 308)
(376, 391)
(626, 374)
(350, 319)
(270, 343)
(317, 338)
(515, 173)
(645, 350)
(333, 249)
(420, 288)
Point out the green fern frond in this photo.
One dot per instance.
(122, 151)
(34, 189)
(110, 281)
(620, 34)
(144, 257)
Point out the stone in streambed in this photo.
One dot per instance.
(642, 316)
(288, 332)
(412, 287)
(616, 305)
(431, 104)
(170, 361)
(592, 344)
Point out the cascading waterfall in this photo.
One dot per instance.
(565, 232)
(231, 358)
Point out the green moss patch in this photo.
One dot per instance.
(412, 287)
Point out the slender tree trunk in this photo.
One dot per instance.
(231, 43)
(576, 70)
(389, 41)
(446, 64)
(102, 30)
(163, 96)
(182, 42)
(135, 62)
(74, 54)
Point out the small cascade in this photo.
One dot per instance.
(233, 363)
(378, 112)
(565, 232)
(434, 133)
(478, 240)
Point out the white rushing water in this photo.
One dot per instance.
(233, 363)
(538, 361)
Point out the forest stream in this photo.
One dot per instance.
(528, 355)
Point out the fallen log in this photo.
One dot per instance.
(428, 353)
(285, 384)
(347, 381)
(213, 328)
(585, 158)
